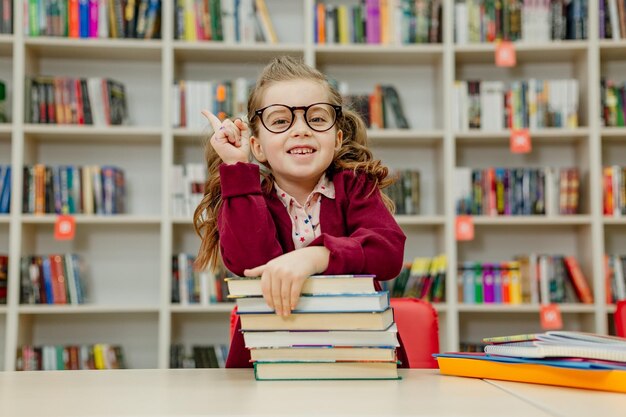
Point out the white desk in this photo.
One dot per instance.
(201, 392)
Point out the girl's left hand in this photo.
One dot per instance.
(282, 278)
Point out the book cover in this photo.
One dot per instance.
(316, 284)
(324, 354)
(325, 370)
(378, 301)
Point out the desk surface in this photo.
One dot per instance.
(187, 392)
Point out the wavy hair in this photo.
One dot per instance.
(353, 154)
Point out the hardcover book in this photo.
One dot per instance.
(316, 284)
(325, 370)
(324, 354)
(378, 301)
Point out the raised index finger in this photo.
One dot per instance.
(215, 122)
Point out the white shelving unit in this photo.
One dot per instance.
(128, 256)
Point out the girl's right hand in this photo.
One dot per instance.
(231, 140)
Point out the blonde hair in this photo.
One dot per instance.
(352, 155)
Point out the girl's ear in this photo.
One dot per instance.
(257, 149)
(339, 139)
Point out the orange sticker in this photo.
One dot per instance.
(464, 228)
(520, 141)
(65, 227)
(505, 54)
(550, 315)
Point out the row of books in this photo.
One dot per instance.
(70, 357)
(4, 278)
(519, 20)
(614, 190)
(380, 109)
(187, 187)
(71, 189)
(227, 98)
(423, 278)
(6, 16)
(83, 101)
(496, 105)
(201, 356)
(93, 18)
(5, 189)
(612, 19)
(241, 21)
(616, 280)
(562, 358)
(341, 328)
(52, 279)
(517, 191)
(532, 278)
(190, 286)
(378, 22)
(613, 103)
(405, 191)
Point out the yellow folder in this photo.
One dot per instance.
(603, 380)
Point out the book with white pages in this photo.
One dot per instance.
(315, 284)
(378, 301)
(353, 338)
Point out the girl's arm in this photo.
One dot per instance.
(375, 242)
(247, 231)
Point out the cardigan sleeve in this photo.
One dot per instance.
(248, 234)
(375, 242)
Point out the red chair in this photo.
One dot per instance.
(620, 319)
(418, 327)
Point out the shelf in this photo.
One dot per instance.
(367, 54)
(612, 50)
(611, 308)
(523, 308)
(419, 220)
(615, 221)
(5, 131)
(613, 133)
(101, 49)
(84, 309)
(258, 53)
(198, 308)
(92, 219)
(5, 219)
(571, 220)
(3, 309)
(93, 133)
(482, 53)
(6, 45)
(404, 137)
(547, 135)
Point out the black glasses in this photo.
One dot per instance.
(278, 118)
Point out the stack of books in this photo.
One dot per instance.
(342, 328)
(564, 358)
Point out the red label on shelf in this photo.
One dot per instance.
(520, 141)
(505, 54)
(464, 228)
(550, 315)
(65, 227)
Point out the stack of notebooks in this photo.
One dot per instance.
(564, 358)
(342, 328)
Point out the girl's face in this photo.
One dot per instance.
(299, 156)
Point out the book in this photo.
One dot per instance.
(317, 321)
(325, 370)
(316, 284)
(605, 380)
(350, 338)
(324, 354)
(559, 344)
(378, 301)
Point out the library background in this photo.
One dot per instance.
(511, 174)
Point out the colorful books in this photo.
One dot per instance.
(316, 284)
(318, 321)
(324, 370)
(378, 301)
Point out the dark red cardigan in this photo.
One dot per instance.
(254, 227)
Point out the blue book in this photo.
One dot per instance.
(378, 301)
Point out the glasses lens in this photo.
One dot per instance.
(277, 118)
(321, 117)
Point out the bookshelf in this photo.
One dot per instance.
(128, 256)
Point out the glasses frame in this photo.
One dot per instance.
(338, 113)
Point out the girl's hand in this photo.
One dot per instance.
(282, 278)
(231, 140)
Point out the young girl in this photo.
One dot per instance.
(318, 208)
